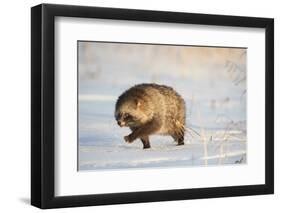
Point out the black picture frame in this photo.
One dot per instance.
(43, 105)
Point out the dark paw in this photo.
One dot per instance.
(180, 143)
(146, 146)
(127, 139)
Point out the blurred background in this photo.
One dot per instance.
(213, 77)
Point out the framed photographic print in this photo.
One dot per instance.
(140, 106)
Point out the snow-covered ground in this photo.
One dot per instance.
(214, 91)
(101, 144)
(163, 153)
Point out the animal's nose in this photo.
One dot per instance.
(121, 123)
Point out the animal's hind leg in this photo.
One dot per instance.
(145, 142)
(179, 138)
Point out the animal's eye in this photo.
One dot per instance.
(126, 116)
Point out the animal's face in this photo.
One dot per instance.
(130, 114)
(125, 119)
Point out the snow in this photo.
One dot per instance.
(161, 154)
(101, 144)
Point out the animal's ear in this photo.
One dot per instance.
(139, 104)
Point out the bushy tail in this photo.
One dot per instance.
(181, 129)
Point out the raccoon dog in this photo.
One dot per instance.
(149, 109)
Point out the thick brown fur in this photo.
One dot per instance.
(149, 109)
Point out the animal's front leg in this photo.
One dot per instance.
(127, 138)
(145, 142)
(143, 131)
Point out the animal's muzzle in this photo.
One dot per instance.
(121, 123)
